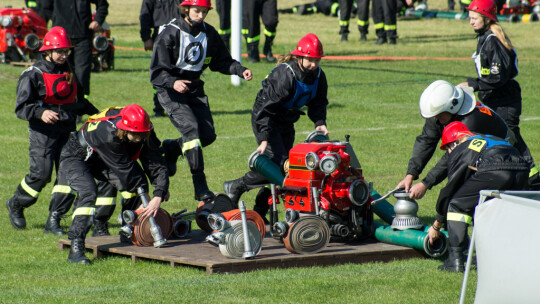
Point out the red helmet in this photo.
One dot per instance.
(56, 38)
(487, 8)
(453, 132)
(309, 46)
(134, 119)
(203, 3)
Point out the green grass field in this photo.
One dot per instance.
(376, 102)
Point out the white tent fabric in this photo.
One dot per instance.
(507, 243)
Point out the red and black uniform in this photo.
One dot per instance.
(75, 16)
(183, 52)
(251, 27)
(44, 87)
(497, 67)
(497, 165)
(96, 153)
(480, 120)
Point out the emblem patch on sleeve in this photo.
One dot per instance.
(495, 69)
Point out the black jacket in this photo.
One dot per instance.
(155, 13)
(116, 154)
(75, 15)
(31, 91)
(163, 69)
(278, 88)
(481, 120)
(496, 86)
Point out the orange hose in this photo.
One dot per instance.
(251, 216)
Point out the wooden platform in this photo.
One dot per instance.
(196, 252)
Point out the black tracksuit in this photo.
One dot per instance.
(190, 112)
(497, 68)
(47, 140)
(481, 120)
(498, 166)
(96, 153)
(75, 16)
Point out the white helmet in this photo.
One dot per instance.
(441, 96)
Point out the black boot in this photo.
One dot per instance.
(202, 193)
(53, 224)
(455, 261)
(267, 49)
(392, 41)
(363, 36)
(76, 252)
(101, 228)
(172, 149)
(234, 189)
(253, 52)
(261, 203)
(344, 31)
(381, 40)
(16, 213)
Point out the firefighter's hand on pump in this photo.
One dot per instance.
(181, 86)
(415, 192)
(247, 75)
(49, 117)
(322, 128)
(262, 147)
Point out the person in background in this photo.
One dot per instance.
(384, 15)
(223, 8)
(327, 7)
(348, 7)
(251, 28)
(155, 13)
(296, 81)
(182, 51)
(49, 99)
(475, 162)
(496, 65)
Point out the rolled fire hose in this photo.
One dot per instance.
(251, 216)
(155, 229)
(413, 238)
(220, 203)
(232, 245)
(308, 234)
(141, 228)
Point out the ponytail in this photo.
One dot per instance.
(501, 35)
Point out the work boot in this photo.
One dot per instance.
(172, 149)
(234, 190)
(363, 37)
(16, 213)
(455, 261)
(253, 52)
(381, 40)
(267, 49)
(101, 228)
(344, 32)
(202, 193)
(392, 41)
(76, 252)
(53, 224)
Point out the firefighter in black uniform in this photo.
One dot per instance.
(327, 7)
(76, 17)
(108, 149)
(297, 81)
(251, 28)
(496, 64)
(223, 8)
(49, 99)
(440, 104)
(475, 162)
(155, 13)
(384, 13)
(346, 8)
(182, 51)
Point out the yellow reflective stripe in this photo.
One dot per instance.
(484, 71)
(62, 189)
(86, 96)
(379, 25)
(268, 33)
(245, 31)
(363, 22)
(84, 211)
(390, 27)
(343, 22)
(334, 8)
(207, 60)
(466, 2)
(253, 39)
(32, 4)
(105, 201)
(459, 217)
(534, 170)
(223, 32)
(28, 189)
(190, 145)
(127, 195)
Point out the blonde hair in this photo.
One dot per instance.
(286, 58)
(122, 134)
(499, 33)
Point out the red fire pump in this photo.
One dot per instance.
(103, 48)
(325, 194)
(21, 33)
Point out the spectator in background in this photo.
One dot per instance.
(223, 8)
(327, 7)
(37, 7)
(251, 28)
(155, 13)
(76, 17)
(384, 15)
(346, 7)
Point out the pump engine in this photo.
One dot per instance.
(21, 33)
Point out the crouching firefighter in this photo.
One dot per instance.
(475, 162)
(117, 146)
